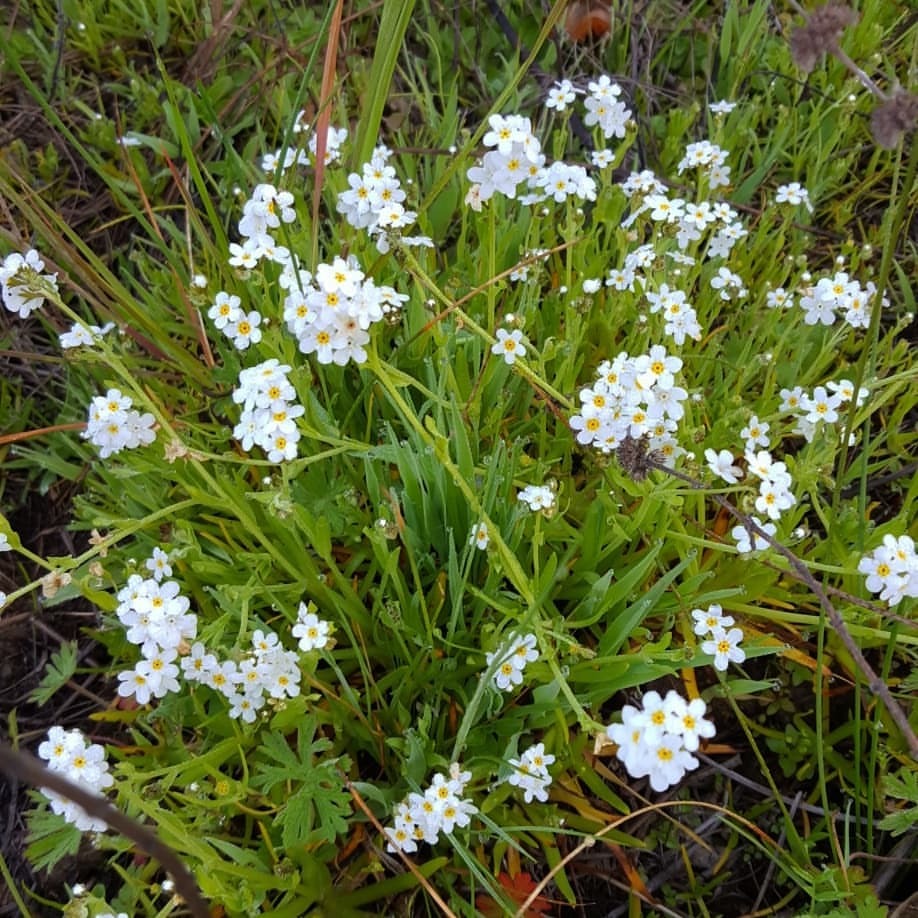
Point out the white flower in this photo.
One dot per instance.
(479, 537)
(134, 683)
(21, 282)
(755, 433)
(686, 719)
(511, 661)
(312, 631)
(721, 108)
(821, 406)
(159, 565)
(530, 773)
(709, 620)
(560, 96)
(668, 762)
(537, 497)
(244, 330)
(744, 543)
(794, 194)
(225, 310)
(721, 464)
(601, 158)
(81, 335)
(724, 645)
(774, 498)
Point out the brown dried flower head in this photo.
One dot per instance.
(636, 458)
(896, 116)
(820, 34)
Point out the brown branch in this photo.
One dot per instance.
(27, 768)
(800, 572)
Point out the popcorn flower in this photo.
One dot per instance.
(530, 773)
(892, 569)
(68, 753)
(114, 426)
(724, 645)
(479, 537)
(23, 287)
(537, 497)
(657, 740)
(509, 345)
(312, 631)
(423, 816)
(512, 659)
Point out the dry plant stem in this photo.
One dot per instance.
(799, 570)
(591, 840)
(792, 802)
(857, 73)
(324, 119)
(422, 880)
(26, 767)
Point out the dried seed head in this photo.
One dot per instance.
(896, 116)
(636, 458)
(820, 34)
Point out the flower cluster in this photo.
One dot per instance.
(687, 221)
(268, 671)
(330, 313)
(282, 159)
(632, 397)
(334, 139)
(113, 425)
(440, 808)
(530, 773)
(722, 644)
(515, 156)
(511, 660)
(21, 282)
(157, 619)
(775, 495)
(374, 202)
(657, 740)
(710, 159)
(269, 410)
(605, 109)
(68, 754)
(840, 293)
(892, 569)
(262, 214)
(825, 404)
(680, 321)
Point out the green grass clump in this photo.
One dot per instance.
(346, 563)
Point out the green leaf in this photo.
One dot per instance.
(903, 786)
(50, 839)
(59, 672)
(317, 804)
